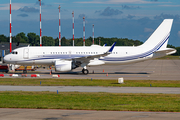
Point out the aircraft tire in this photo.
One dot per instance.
(85, 71)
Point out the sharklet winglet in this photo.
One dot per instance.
(112, 47)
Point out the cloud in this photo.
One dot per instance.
(170, 5)
(151, 0)
(15, 6)
(42, 3)
(178, 34)
(89, 2)
(144, 20)
(29, 9)
(81, 16)
(23, 15)
(148, 30)
(4, 6)
(130, 7)
(64, 10)
(109, 12)
(114, 1)
(167, 16)
(154, 0)
(130, 16)
(98, 11)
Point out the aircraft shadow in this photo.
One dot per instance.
(131, 73)
(80, 73)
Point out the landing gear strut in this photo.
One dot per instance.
(85, 71)
(25, 70)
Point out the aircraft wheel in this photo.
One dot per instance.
(85, 71)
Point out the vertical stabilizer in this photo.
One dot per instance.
(159, 39)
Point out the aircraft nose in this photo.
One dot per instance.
(5, 59)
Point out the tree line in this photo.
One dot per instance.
(34, 39)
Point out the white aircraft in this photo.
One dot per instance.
(68, 58)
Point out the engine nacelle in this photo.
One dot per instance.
(63, 65)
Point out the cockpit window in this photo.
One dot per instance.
(14, 52)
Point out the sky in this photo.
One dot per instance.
(132, 19)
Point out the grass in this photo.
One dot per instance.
(87, 82)
(91, 101)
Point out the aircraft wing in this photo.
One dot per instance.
(86, 59)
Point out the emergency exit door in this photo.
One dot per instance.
(26, 53)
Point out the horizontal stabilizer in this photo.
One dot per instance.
(166, 51)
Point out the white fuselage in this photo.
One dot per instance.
(48, 55)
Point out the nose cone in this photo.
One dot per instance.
(3, 61)
(6, 59)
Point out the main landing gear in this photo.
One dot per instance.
(25, 70)
(85, 71)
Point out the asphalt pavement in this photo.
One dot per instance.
(147, 70)
(47, 114)
(154, 90)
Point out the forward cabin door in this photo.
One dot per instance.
(26, 53)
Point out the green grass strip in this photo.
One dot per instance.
(87, 82)
(91, 101)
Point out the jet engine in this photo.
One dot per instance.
(63, 66)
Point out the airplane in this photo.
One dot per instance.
(67, 58)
